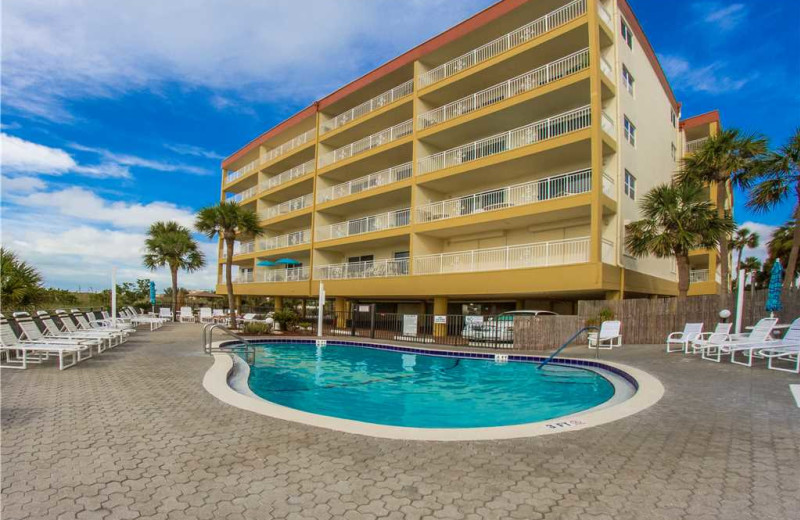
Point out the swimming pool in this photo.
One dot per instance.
(422, 389)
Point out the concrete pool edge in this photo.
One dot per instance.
(649, 392)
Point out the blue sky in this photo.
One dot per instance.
(114, 116)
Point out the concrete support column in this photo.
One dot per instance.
(520, 305)
(613, 295)
(278, 303)
(439, 309)
(340, 307)
(237, 302)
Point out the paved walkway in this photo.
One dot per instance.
(133, 434)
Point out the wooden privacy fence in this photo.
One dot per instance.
(646, 321)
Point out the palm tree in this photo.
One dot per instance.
(227, 220)
(20, 282)
(678, 218)
(727, 156)
(743, 238)
(750, 264)
(172, 245)
(779, 175)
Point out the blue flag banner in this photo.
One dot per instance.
(152, 293)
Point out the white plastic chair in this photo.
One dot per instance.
(721, 332)
(165, 312)
(745, 342)
(784, 349)
(186, 315)
(205, 315)
(608, 337)
(682, 339)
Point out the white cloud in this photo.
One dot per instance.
(711, 78)
(87, 206)
(54, 52)
(765, 232)
(21, 184)
(196, 151)
(724, 16)
(141, 162)
(19, 155)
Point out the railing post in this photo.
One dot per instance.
(372, 321)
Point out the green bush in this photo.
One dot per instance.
(605, 314)
(287, 319)
(257, 328)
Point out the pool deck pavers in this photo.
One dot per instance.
(133, 434)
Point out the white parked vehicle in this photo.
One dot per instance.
(496, 328)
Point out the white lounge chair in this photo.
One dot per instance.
(721, 332)
(165, 312)
(125, 326)
(249, 317)
(784, 349)
(682, 339)
(84, 324)
(220, 315)
(69, 326)
(205, 315)
(745, 343)
(51, 330)
(186, 315)
(608, 337)
(18, 353)
(30, 333)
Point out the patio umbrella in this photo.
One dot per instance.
(265, 263)
(287, 261)
(774, 289)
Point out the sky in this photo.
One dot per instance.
(117, 114)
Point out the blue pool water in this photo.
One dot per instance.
(399, 389)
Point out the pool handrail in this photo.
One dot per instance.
(208, 333)
(566, 343)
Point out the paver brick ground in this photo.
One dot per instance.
(132, 434)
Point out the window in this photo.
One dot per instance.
(630, 185)
(673, 118)
(630, 131)
(627, 35)
(674, 151)
(627, 78)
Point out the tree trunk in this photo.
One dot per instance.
(724, 288)
(174, 272)
(683, 275)
(229, 281)
(738, 263)
(791, 265)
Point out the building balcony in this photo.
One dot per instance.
(290, 206)
(243, 195)
(539, 254)
(605, 16)
(504, 43)
(292, 144)
(365, 183)
(378, 102)
(288, 176)
(549, 188)
(694, 145)
(607, 124)
(357, 270)
(513, 87)
(608, 69)
(532, 133)
(295, 238)
(699, 275)
(290, 274)
(370, 142)
(360, 226)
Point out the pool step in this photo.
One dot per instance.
(322, 342)
(501, 358)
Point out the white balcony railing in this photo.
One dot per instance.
(607, 123)
(289, 175)
(244, 170)
(508, 41)
(373, 269)
(529, 134)
(295, 238)
(515, 86)
(288, 146)
(243, 277)
(243, 195)
(289, 274)
(698, 275)
(607, 68)
(693, 146)
(607, 252)
(501, 198)
(289, 206)
(359, 226)
(379, 101)
(365, 183)
(609, 186)
(605, 15)
(539, 254)
(368, 143)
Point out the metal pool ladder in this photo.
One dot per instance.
(245, 346)
(566, 344)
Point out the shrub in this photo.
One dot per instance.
(605, 314)
(257, 328)
(287, 319)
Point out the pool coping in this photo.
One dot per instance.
(649, 391)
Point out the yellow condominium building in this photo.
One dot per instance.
(495, 165)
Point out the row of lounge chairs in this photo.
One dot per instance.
(76, 337)
(743, 348)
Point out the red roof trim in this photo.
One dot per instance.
(626, 10)
(701, 119)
